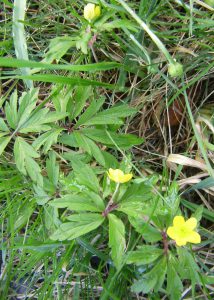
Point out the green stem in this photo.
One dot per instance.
(19, 39)
(111, 202)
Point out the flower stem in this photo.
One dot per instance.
(111, 205)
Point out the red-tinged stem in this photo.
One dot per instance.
(108, 209)
(165, 242)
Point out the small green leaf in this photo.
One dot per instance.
(137, 192)
(58, 48)
(76, 203)
(95, 198)
(3, 143)
(52, 168)
(94, 106)
(189, 268)
(172, 198)
(23, 216)
(85, 175)
(51, 218)
(11, 110)
(149, 232)
(37, 122)
(89, 146)
(82, 42)
(27, 103)
(3, 126)
(174, 283)
(24, 154)
(77, 102)
(144, 255)
(111, 138)
(117, 241)
(153, 280)
(47, 139)
(79, 225)
(33, 170)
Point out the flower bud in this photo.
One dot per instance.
(175, 69)
(91, 11)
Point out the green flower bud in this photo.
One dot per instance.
(175, 69)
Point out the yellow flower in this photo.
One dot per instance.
(91, 11)
(183, 232)
(118, 176)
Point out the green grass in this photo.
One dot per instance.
(77, 100)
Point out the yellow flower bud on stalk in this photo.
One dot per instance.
(91, 11)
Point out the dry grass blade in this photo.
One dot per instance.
(185, 161)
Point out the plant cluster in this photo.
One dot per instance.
(73, 188)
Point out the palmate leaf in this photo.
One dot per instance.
(76, 203)
(171, 198)
(123, 141)
(149, 232)
(40, 121)
(47, 139)
(93, 108)
(77, 226)
(52, 169)
(58, 48)
(24, 154)
(60, 96)
(77, 102)
(138, 192)
(143, 255)
(89, 146)
(117, 241)
(109, 26)
(174, 283)
(85, 175)
(111, 116)
(3, 126)
(17, 116)
(77, 139)
(22, 117)
(153, 280)
(110, 138)
(189, 268)
(3, 143)
(11, 110)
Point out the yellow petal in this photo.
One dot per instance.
(125, 178)
(89, 11)
(115, 175)
(171, 232)
(118, 176)
(194, 237)
(180, 242)
(97, 11)
(178, 221)
(191, 223)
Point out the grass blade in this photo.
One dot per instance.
(19, 36)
